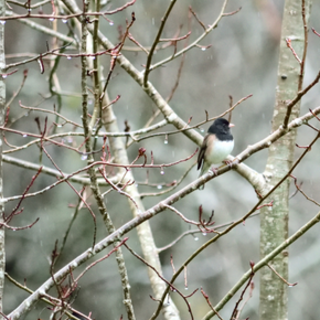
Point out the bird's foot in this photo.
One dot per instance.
(214, 171)
(231, 163)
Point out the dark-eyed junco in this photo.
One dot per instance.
(217, 145)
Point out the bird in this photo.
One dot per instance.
(217, 145)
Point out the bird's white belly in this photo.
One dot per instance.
(221, 150)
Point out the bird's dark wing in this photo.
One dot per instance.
(202, 152)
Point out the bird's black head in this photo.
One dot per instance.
(221, 128)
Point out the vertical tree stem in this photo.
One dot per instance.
(2, 118)
(274, 220)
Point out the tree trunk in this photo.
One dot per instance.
(2, 118)
(274, 220)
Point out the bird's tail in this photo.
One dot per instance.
(203, 170)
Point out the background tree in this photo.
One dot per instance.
(106, 102)
(274, 222)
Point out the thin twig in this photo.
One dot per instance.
(210, 305)
(298, 97)
(156, 41)
(279, 276)
(193, 44)
(173, 288)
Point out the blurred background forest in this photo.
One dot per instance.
(242, 60)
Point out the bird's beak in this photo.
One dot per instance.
(231, 125)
